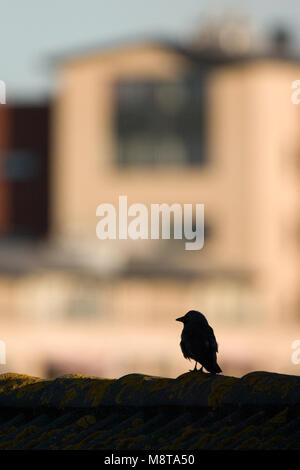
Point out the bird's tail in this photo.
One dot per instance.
(216, 369)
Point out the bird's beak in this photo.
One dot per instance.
(180, 319)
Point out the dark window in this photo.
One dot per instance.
(21, 165)
(161, 122)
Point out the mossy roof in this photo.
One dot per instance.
(194, 411)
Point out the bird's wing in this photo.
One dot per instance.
(211, 341)
(195, 343)
(185, 350)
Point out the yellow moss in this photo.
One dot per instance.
(97, 390)
(160, 384)
(293, 445)
(248, 443)
(32, 388)
(187, 431)
(219, 388)
(73, 447)
(136, 422)
(128, 441)
(75, 376)
(131, 382)
(264, 382)
(68, 437)
(267, 430)
(86, 421)
(38, 440)
(7, 431)
(69, 396)
(210, 437)
(201, 442)
(13, 442)
(10, 382)
(180, 386)
(232, 439)
(272, 443)
(80, 444)
(280, 418)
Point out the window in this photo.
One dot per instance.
(21, 165)
(161, 122)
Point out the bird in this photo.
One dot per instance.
(198, 342)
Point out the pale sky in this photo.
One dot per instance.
(34, 30)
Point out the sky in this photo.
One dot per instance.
(33, 31)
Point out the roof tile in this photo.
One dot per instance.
(259, 411)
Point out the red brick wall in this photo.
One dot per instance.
(5, 188)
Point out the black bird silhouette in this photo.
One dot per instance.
(198, 341)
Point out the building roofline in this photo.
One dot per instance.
(198, 57)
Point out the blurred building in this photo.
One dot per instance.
(163, 123)
(207, 122)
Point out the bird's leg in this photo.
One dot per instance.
(201, 370)
(195, 368)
